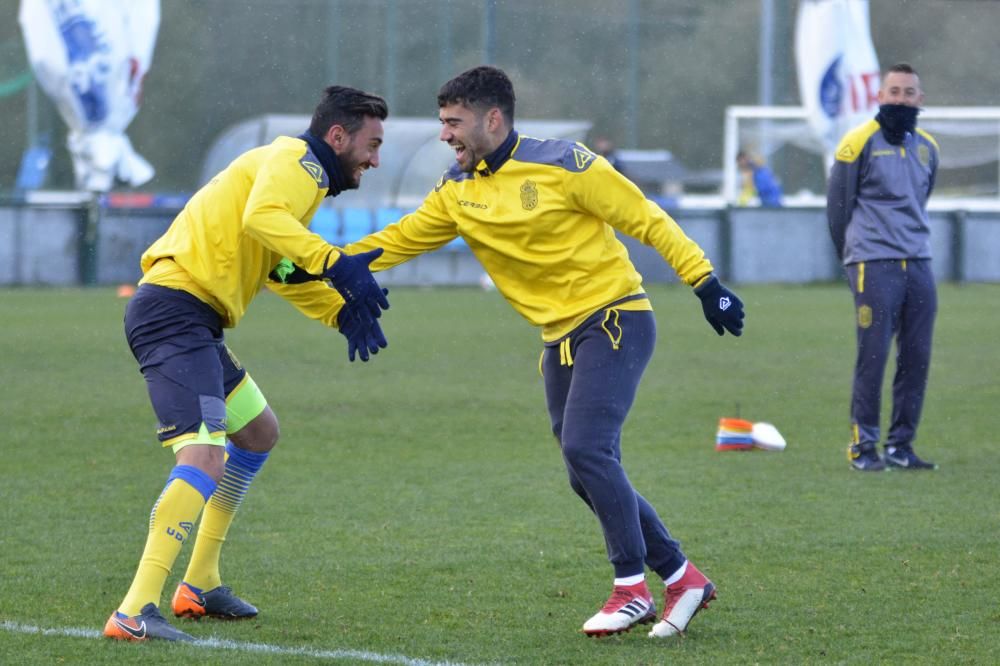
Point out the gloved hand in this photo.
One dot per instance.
(363, 332)
(723, 309)
(353, 280)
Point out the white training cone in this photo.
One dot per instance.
(767, 437)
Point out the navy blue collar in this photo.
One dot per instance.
(328, 159)
(496, 159)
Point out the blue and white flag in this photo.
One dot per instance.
(90, 57)
(837, 67)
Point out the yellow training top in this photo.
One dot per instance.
(541, 218)
(237, 227)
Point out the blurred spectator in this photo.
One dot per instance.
(758, 181)
(669, 196)
(604, 147)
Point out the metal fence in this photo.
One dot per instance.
(75, 240)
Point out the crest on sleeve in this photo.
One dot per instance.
(846, 153)
(924, 154)
(313, 169)
(582, 157)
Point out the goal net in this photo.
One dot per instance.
(969, 138)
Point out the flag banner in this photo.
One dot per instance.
(837, 67)
(90, 57)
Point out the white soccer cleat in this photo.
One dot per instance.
(628, 606)
(682, 601)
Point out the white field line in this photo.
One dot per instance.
(222, 644)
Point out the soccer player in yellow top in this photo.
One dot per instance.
(198, 279)
(541, 217)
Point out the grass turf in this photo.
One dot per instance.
(417, 505)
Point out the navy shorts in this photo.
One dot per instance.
(178, 341)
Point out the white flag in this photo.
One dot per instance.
(90, 57)
(837, 67)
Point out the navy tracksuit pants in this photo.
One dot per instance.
(591, 377)
(893, 298)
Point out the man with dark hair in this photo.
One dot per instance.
(541, 217)
(877, 211)
(198, 279)
(347, 107)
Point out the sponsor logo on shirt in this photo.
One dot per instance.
(472, 204)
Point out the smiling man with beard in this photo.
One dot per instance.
(198, 279)
(541, 217)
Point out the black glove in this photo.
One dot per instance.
(353, 280)
(723, 309)
(363, 332)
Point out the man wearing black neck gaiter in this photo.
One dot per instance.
(877, 210)
(198, 280)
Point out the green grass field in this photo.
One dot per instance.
(416, 508)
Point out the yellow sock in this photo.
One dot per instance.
(203, 569)
(241, 467)
(170, 522)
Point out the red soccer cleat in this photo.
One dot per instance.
(682, 601)
(628, 606)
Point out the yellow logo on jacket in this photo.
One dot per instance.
(315, 170)
(865, 316)
(529, 195)
(924, 154)
(582, 157)
(846, 154)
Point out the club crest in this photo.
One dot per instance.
(529, 195)
(865, 316)
(924, 154)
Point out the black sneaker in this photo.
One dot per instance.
(865, 458)
(219, 602)
(900, 457)
(142, 627)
